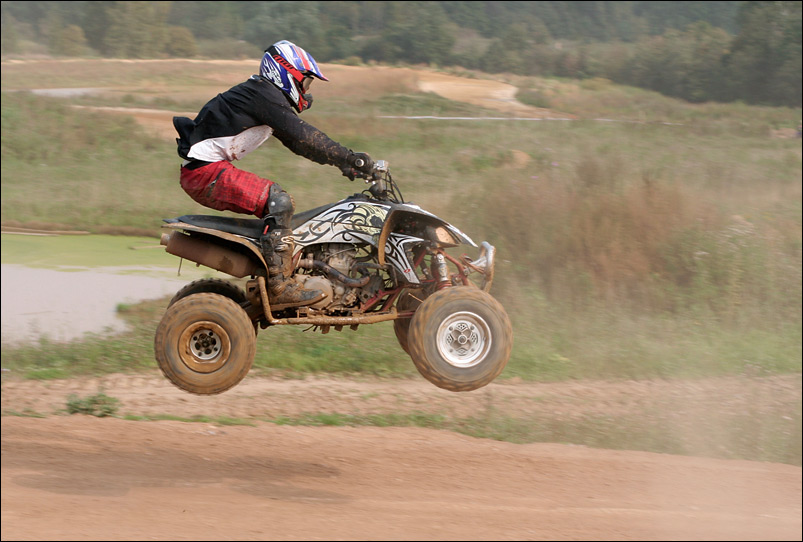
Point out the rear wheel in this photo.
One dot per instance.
(205, 343)
(460, 338)
(214, 286)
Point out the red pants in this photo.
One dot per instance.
(223, 187)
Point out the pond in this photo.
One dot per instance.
(65, 305)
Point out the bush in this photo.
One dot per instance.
(100, 405)
(69, 41)
(181, 43)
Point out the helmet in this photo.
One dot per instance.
(291, 69)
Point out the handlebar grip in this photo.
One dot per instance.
(359, 162)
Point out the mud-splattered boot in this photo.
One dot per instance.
(283, 291)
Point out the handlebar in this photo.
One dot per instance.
(381, 184)
(380, 167)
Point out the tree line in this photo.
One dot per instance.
(695, 50)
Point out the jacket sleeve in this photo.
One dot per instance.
(304, 139)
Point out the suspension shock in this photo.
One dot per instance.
(441, 270)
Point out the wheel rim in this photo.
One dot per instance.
(204, 347)
(464, 339)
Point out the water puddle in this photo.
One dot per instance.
(66, 305)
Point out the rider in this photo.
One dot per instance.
(236, 122)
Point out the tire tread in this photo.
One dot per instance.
(425, 314)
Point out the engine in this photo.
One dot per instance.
(338, 256)
(329, 269)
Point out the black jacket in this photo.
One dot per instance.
(256, 104)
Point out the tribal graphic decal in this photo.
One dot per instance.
(396, 254)
(348, 222)
(360, 223)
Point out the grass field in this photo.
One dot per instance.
(666, 243)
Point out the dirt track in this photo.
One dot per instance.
(85, 478)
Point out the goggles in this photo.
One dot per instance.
(306, 82)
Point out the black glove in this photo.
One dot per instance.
(349, 172)
(357, 162)
(361, 162)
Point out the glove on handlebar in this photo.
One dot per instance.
(357, 162)
(349, 172)
(361, 162)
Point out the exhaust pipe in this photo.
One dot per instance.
(211, 255)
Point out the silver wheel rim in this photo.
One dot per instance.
(464, 339)
(205, 344)
(206, 347)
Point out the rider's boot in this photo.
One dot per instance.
(283, 291)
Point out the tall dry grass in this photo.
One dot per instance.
(648, 244)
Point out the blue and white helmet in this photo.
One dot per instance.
(291, 69)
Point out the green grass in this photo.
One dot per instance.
(99, 405)
(218, 420)
(625, 250)
(26, 413)
(573, 346)
(85, 252)
(287, 350)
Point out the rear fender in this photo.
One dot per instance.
(226, 252)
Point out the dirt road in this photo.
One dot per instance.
(86, 478)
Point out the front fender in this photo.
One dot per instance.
(452, 236)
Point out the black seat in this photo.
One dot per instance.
(248, 227)
(238, 226)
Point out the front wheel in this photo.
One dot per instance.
(205, 343)
(408, 301)
(460, 338)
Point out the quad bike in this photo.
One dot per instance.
(376, 257)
